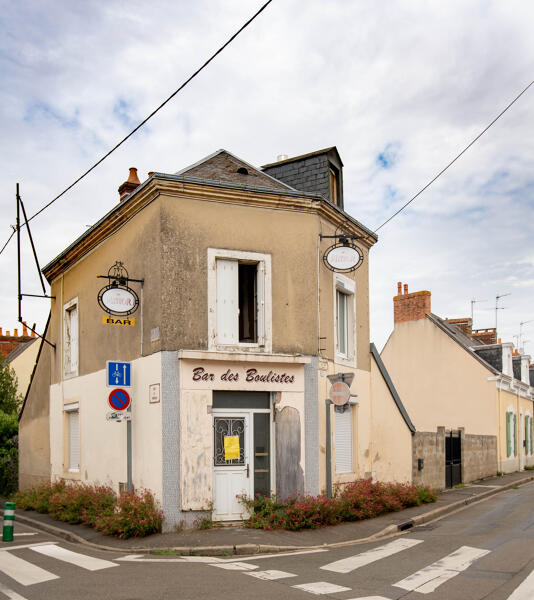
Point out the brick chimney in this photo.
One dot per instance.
(410, 306)
(126, 188)
(465, 325)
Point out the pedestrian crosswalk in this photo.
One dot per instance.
(27, 573)
(423, 581)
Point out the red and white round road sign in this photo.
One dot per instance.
(339, 393)
(119, 399)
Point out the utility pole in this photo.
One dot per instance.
(498, 308)
(473, 302)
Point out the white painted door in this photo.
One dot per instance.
(232, 470)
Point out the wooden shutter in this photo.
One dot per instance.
(260, 302)
(514, 421)
(508, 436)
(531, 447)
(227, 331)
(74, 440)
(526, 434)
(343, 441)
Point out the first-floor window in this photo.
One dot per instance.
(239, 298)
(511, 434)
(343, 441)
(73, 438)
(70, 338)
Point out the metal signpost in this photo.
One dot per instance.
(120, 402)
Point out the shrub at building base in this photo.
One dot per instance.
(135, 516)
(128, 515)
(361, 499)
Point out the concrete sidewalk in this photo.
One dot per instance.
(239, 540)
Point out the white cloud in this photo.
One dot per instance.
(423, 78)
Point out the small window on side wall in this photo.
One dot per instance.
(70, 338)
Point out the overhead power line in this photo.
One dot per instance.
(144, 121)
(456, 157)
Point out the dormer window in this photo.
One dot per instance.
(334, 185)
(242, 171)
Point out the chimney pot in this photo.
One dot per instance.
(16, 332)
(405, 288)
(8, 334)
(399, 288)
(150, 173)
(129, 185)
(499, 341)
(1, 331)
(24, 328)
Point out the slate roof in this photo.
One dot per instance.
(19, 350)
(223, 166)
(470, 345)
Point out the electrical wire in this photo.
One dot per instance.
(144, 121)
(456, 158)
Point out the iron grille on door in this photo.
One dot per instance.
(228, 426)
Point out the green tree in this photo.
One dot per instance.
(10, 402)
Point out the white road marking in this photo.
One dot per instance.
(271, 574)
(430, 578)
(90, 563)
(346, 565)
(525, 591)
(370, 598)
(321, 587)
(235, 566)
(18, 546)
(181, 559)
(276, 555)
(19, 534)
(12, 595)
(23, 571)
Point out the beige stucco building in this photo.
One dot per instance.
(469, 398)
(238, 325)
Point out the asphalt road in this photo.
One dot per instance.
(483, 552)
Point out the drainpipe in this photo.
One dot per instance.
(328, 402)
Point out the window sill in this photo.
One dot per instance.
(344, 360)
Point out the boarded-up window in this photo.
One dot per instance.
(74, 440)
(343, 441)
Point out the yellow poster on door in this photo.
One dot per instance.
(231, 447)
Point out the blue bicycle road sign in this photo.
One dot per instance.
(119, 373)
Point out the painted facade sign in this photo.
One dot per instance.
(247, 375)
(227, 375)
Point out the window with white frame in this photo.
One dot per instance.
(345, 319)
(70, 338)
(343, 440)
(239, 298)
(73, 437)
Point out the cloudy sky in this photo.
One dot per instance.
(399, 87)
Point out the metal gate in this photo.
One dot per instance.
(453, 459)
